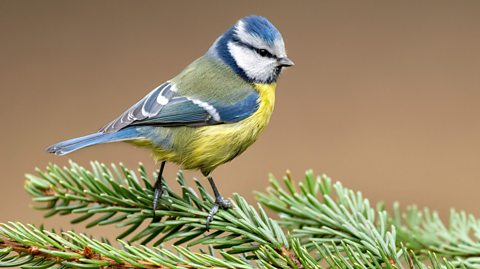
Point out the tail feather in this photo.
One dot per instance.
(70, 145)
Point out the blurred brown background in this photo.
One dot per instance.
(384, 96)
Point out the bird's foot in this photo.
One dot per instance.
(219, 203)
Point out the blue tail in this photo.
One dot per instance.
(70, 145)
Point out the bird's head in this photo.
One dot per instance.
(254, 49)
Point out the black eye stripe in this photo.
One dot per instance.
(261, 52)
(264, 53)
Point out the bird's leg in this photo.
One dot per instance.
(219, 202)
(158, 188)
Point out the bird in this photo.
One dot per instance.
(210, 112)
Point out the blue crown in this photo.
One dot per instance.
(254, 25)
(261, 27)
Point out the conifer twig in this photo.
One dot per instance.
(322, 225)
(45, 249)
(119, 196)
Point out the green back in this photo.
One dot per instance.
(209, 79)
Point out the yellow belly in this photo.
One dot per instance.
(210, 146)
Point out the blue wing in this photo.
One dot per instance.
(165, 107)
(185, 111)
(149, 106)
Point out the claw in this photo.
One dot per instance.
(219, 203)
(212, 213)
(156, 198)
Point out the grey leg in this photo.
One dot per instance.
(158, 188)
(219, 202)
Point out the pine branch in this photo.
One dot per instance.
(44, 249)
(118, 195)
(324, 212)
(423, 231)
(318, 211)
(321, 225)
(30, 247)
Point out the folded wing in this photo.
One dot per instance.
(165, 107)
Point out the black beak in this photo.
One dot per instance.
(284, 61)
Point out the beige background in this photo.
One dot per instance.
(384, 96)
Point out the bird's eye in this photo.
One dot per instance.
(263, 52)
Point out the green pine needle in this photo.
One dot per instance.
(321, 225)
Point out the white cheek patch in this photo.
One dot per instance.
(255, 66)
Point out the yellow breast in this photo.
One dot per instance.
(267, 102)
(218, 144)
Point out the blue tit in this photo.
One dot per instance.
(210, 112)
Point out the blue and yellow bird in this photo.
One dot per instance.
(210, 112)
